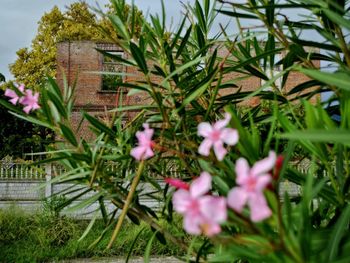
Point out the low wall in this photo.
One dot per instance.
(30, 194)
(27, 187)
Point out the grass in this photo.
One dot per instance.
(38, 238)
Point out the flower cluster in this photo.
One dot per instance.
(203, 212)
(24, 97)
(251, 184)
(215, 136)
(145, 148)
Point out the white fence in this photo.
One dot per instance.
(22, 171)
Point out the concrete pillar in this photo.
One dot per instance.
(48, 176)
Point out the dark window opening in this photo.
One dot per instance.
(111, 79)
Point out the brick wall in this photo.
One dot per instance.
(80, 60)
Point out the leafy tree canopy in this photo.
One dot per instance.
(2, 78)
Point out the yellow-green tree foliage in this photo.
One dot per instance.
(76, 23)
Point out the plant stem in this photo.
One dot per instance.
(128, 201)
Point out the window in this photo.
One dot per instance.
(110, 80)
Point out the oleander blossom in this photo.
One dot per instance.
(215, 136)
(27, 99)
(177, 183)
(13, 95)
(251, 184)
(30, 101)
(202, 212)
(145, 144)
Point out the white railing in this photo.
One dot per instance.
(38, 172)
(22, 171)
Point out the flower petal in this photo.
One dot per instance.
(27, 109)
(219, 150)
(182, 200)
(262, 182)
(229, 136)
(177, 183)
(259, 209)
(192, 224)
(201, 185)
(14, 101)
(222, 123)
(148, 153)
(204, 148)
(148, 132)
(237, 198)
(242, 171)
(204, 129)
(210, 228)
(213, 208)
(10, 93)
(21, 88)
(138, 152)
(265, 165)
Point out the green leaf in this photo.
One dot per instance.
(221, 184)
(89, 227)
(182, 68)
(147, 254)
(238, 15)
(55, 88)
(193, 95)
(68, 134)
(139, 57)
(85, 203)
(184, 42)
(316, 44)
(340, 229)
(200, 15)
(336, 18)
(133, 245)
(134, 107)
(115, 57)
(32, 120)
(328, 136)
(118, 24)
(58, 104)
(338, 79)
(99, 125)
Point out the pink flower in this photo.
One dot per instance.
(177, 183)
(144, 149)
(202, 213)
(215, 136)
(252, 182)
(13, 95)
(30, 101)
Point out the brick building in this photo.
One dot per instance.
(95, 93)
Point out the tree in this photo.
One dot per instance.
(2, 78)
(76, 23)
(18, 137)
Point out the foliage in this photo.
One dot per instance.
(19, 137)
(57, 238)
(2, 78)
(184, 74)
